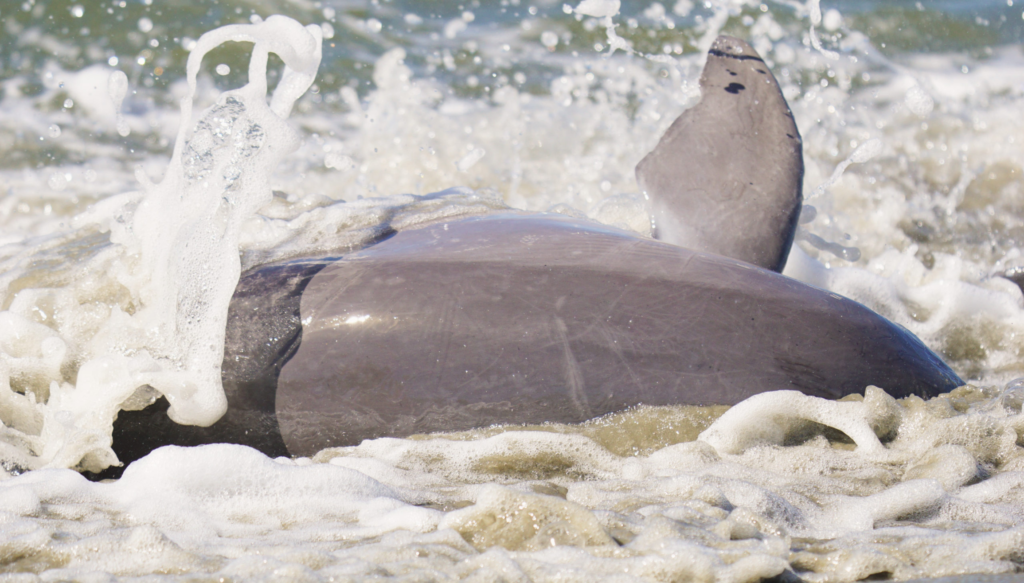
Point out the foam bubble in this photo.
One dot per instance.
(919, 102)
(529, 522)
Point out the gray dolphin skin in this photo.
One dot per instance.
(726, 177)
(513, 317)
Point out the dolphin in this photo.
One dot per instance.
(515, 317)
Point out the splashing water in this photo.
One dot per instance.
(174, 253)
(782, 486)
(862, 154)
(117, 88)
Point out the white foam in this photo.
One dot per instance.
(919, 102)
(907, 498)
(598, 8)
(769, 417)
(188, 266)
(519, 521)
(684, 511)
(117, 88)
(175, 256)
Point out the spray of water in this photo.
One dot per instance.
(174, 258)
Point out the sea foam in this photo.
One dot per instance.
(174, 261)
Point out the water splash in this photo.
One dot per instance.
(864, 153)
(117, 88)
(175, 262)
(814, 9)
(185, 233)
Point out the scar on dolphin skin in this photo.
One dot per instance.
(707, 319)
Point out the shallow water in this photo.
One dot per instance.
(910, 114)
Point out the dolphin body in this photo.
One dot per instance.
(529, 318)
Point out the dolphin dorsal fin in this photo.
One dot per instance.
(726, 177)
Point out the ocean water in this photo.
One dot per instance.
(400, 113)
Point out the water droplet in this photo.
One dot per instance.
(470, 159)
(53, 130)
(223, 69)
(57, 181)
(145, 24)
(454, 27)
(77, 11)
(919, 102)
(832, 20)
(866, 151)
(549, 39)
(338, 161)
(117, 88)
(69, 103)
(112, 61)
